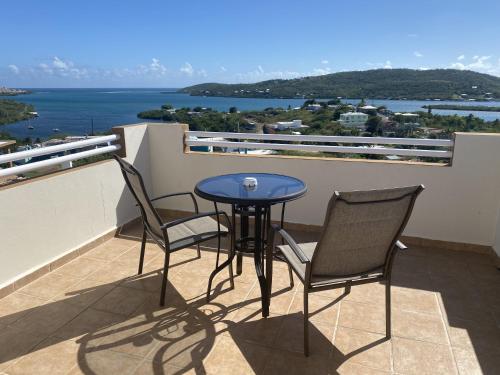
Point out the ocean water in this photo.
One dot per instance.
(72, 110)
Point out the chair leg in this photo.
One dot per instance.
(290, 274)
(239, 263)
(306, 324)
(388, 308)
(347, 289)
(143, 250)
(198, 251)
(165, 279)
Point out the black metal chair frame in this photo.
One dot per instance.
(369, 276)
(163, 241)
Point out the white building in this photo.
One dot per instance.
(284, 125)
(313, 107)
(353, 119)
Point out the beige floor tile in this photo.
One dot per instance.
(49, 285)
(466, 308)
(110, 250)
(184, 349)
(16, 305)
(419, 326)
(291, 336)
(84, 293)
(249, 325)
(80, 267)
(14, 344)
(134, 336)
(414, 300)
(113, 273)
(321, 309)
(285, 362)
(419, 357)
(364, 348)
(51, 357)
(123, 301)
(87, 324)
(105, 362)
(362, 316)
(132, 256)
(155, 368)
(473, 335)
(481, 361)
(280, 301)
(373, 293)
(47, 319)
(233, 356)
(351, 368)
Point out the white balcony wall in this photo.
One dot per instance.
(45, 218)
(460, 203)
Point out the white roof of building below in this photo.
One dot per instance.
(368, 107)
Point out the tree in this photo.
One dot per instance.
(167, 106)
(374, 125)
(233, 110)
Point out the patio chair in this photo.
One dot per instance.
(359, 240)
(173, 235)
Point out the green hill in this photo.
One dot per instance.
(374, 84)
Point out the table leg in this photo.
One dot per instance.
(243, 234)
(259, 266)
(269, 255)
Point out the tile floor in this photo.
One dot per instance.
(94, 315)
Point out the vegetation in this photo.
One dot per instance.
(459, 107)
(12, 111)
(323, 121)
(375, 84)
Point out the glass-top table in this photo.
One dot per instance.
(251, 194)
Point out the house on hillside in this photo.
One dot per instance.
(353, 119)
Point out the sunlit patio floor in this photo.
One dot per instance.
(94, 315)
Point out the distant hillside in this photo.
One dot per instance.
(373, 84)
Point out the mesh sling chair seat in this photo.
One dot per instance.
(359, 239)
(173, 235)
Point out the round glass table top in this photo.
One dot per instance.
(251, 188)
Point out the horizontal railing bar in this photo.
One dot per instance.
(57, 148)
(320, 148)
(57, 160)
(325, 138)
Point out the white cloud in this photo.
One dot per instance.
(223, 68)
(324, 62)
(412, 35)
(320, 71)
(157, 67)
(202, 73)
(187, 69)
(482, 64)
(13, 68)
(260, 69)
(418, 54)
(60, 64)
(388, 65)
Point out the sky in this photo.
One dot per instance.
(107, 43)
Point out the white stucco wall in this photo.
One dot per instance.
(460, 203)
(45, 218)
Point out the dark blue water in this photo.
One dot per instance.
(72, 110)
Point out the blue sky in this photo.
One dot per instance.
(176, 43)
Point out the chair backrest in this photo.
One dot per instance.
(361, 229)
(135, 183)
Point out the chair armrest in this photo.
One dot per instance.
(401, 246)
(195, 203)
(197, 216)
(293, 245)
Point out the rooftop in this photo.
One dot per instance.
(94, 316)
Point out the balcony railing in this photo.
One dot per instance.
(104, 142)
(441, 148)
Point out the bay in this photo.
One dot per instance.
(72, 110)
